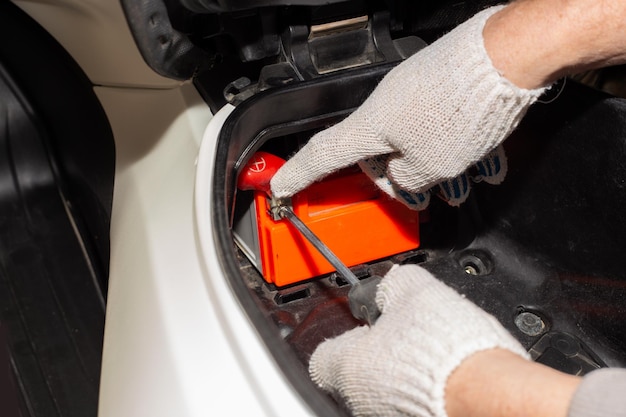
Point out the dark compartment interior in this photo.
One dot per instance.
(541, 252)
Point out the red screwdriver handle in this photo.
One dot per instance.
(258, 172)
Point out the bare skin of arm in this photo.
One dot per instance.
(533, 43)
(498, 383)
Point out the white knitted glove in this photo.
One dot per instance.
(400, 365)
(434, 115)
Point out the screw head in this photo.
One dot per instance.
(530, 323)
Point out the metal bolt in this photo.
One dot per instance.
(475, 264)
(530, 324)
(471, 270)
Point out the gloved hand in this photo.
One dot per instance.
(401, 364)
(491, 169)
(433, 116)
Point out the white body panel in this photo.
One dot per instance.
(176, 341)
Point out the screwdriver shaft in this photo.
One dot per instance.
(342, 269)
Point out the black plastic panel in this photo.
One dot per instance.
(56, 182)
(166, 50)
(218, 6)
(563, 205)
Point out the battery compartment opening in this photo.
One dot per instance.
(313, 309)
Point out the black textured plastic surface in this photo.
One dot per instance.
(56, 183)
(166, 50)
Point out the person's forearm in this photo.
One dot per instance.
(497, 383)
(534, 42)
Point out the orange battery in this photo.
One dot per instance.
(356, 220)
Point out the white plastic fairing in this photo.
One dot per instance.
(177, 342)
(280, 398)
